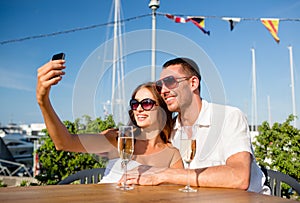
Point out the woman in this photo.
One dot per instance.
(148, 113)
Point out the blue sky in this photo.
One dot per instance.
(230, 51)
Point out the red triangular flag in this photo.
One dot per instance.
(176, 19)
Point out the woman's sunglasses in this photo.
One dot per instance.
(147, 104)
(170, 82)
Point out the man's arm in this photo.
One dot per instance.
(235, 174)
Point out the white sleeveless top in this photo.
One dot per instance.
(164, 158)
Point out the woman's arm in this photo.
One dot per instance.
(51, 74)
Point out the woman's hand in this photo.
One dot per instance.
(144, 175)
(47, 75)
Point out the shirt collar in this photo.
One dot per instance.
(204, 117)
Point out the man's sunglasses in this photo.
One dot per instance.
(147, 104)
(170, 82)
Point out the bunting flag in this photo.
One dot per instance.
(272, 25)
(232, 21)
(199, 22)
(176, 19)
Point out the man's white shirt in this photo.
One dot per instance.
(221, 131)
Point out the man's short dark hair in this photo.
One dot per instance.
(189, 66)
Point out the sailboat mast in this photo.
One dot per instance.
(292, 83)
(115, 49)
(254, 100)
(118, 97)
(269, 110)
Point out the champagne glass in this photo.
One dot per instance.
(125, 149)
(187, 151)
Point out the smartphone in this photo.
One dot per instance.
(58, 56)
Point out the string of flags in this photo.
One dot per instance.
(271, 24)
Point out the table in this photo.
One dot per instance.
(108, 193)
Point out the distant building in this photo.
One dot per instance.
(11, 129)
(253, 132)
(33, 128)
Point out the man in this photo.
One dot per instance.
(224, 156)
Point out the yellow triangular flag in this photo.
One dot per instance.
(272, 25)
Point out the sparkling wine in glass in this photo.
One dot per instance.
(125, 149)
(187, 151)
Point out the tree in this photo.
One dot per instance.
(278, 147)
(56, 165)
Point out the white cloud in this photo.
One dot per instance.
(14, 80)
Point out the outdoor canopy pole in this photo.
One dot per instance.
(154, 4)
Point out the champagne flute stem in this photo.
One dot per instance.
(125, 174)
(188, 176)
